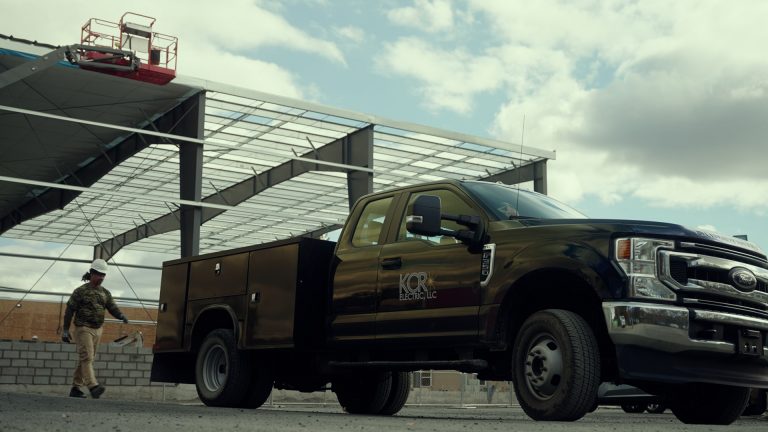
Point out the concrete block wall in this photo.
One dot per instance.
(53, 363)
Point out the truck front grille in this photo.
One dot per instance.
(706, 280)
(681, 273)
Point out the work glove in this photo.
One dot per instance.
(65, 336)
(125, 319)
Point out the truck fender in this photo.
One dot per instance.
(578, 259)
(202, 326)
(583, 267)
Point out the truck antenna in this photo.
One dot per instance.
(520, 167)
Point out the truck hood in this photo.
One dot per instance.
(654, 228)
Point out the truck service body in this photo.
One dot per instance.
(445, 275)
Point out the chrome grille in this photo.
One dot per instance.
(706, 278)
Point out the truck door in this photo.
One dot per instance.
(355, 278)
(429, 286)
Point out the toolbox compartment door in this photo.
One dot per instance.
(288, 294)
(172, 308)
(220, 276)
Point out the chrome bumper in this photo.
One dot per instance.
(665, 328)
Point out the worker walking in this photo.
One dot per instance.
(87, 304)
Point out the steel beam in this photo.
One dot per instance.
(535, 171)
(335, 152)
(361, 117)
(73, 185)
(32, 67)
(70, 53)
(171, 137)
(75, 260)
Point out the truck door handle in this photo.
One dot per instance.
(391, 263)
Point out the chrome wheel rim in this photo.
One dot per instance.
(215, 367)
(543, 367)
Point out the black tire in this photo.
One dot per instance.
(656, 408)
(633, 408)
(222, 372)
(714, 404)
(398, 395)
(758, 403)
(262, 381)
(364, 393)
(556, 366)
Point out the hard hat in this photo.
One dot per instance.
(99, 265)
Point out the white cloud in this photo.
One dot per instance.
(251, 27)
(427, 15)
(651, 100)
(241, 71)
(353, 34)
(451, 78)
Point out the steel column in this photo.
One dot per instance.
(540, 176)
(191, 174)
(358, 151)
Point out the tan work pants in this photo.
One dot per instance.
(87, 340)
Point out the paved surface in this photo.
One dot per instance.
(25, 412)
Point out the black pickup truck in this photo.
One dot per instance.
(475, 277)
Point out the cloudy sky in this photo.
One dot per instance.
(657, 109)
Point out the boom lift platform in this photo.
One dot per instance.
(126, 49)
(151, 56)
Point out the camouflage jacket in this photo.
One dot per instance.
(89, 303)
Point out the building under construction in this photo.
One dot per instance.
(104, 145)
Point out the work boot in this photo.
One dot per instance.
(97, 391)
(76, 392)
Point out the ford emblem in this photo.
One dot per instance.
(743, 279)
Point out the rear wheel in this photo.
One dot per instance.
(260, 387)
(363, 393)
(700, 403)
(556, 366)
(222, 372)
(398, 395)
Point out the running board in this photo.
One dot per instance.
(474, 365)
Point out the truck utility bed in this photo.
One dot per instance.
(280, 288)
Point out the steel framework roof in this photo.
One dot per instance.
(246, 133)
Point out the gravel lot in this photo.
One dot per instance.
(25, 412)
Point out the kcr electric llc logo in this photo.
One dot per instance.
(417, 286)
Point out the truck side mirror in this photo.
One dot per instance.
(426, 216)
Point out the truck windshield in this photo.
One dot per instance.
(506, 202)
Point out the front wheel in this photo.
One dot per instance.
(556, 366)
(656, 408)
(700, 403)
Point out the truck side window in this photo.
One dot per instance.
(451, 203)
(371, 222)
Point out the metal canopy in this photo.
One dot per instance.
(249, 138)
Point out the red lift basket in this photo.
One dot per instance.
(154, 54)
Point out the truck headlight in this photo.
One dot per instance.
(637, 257)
